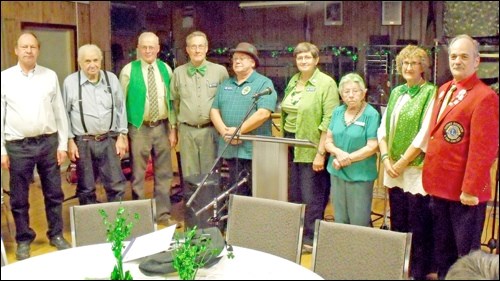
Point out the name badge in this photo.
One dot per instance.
(228, 88)
(310, 89)
(359, 123)
(212, 85)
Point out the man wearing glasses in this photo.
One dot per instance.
(152, 129)
(193, 90)
(233, 99)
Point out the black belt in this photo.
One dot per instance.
(32, 139)
(152, 124)
(99, 137)
(209, 124)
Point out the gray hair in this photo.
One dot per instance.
(145, 35)
(477, 265)
(196, 34)
(88, 48)
(465, 36)
(352, 77)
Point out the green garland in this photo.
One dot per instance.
(288, 50)
(116, 233)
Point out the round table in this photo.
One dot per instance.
(97, 261)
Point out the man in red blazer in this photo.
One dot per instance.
(462, 148)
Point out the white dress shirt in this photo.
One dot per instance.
(32, 105)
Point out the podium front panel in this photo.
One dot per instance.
(270, 170)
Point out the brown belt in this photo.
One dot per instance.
(97, 138)
(152, 124)
(209, 124)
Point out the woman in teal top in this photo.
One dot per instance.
(352, 143)
(310, 97)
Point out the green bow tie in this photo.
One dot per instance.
(412, 91)
(201, 70)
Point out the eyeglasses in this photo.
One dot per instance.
(412, 64)
(299, 58)
(197, 47)
(147, 48)
(240, 58)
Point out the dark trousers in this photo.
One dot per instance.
(457, 231)
(24, 156)
(412, 213)
(99, 158)
(308, 187)
(237, 167)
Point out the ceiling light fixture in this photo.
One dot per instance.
(270, 4)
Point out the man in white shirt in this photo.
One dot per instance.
(34, 132)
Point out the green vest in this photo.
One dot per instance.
(410, 120)
(136, 92)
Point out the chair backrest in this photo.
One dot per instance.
(87, 225)
(4, 255)
(344, 251)
(270, 226)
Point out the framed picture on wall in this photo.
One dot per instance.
(391, 12)
(333, 12)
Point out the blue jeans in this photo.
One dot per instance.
(99, 158)
(24, 155)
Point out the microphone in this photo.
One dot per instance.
(265, 92)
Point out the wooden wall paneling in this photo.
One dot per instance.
(83, 26)
(100, 29)
(249, 27)
(406, 28)
(57, 12)
(44, 12)
(11, 30)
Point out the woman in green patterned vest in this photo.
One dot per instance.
(403, 136)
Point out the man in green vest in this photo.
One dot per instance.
(152, 127)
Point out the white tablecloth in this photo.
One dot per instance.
(97, 261)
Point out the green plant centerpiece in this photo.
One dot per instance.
(116, 233)
(192, 251)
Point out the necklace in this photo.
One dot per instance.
(347, 123)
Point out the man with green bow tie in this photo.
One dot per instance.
(193, 88)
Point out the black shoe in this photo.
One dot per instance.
(23, 250)
(59, 242)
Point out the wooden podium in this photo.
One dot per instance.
(270, 165)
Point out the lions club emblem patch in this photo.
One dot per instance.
(453, 132)
(246, 90)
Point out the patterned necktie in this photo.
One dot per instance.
(446, 100)
(153, 95)
(201, 70)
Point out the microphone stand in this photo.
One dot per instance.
(216, 200)
(212, 170)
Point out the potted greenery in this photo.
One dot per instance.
(195, 250)
(116, 233)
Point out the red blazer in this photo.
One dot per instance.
(463, 144)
